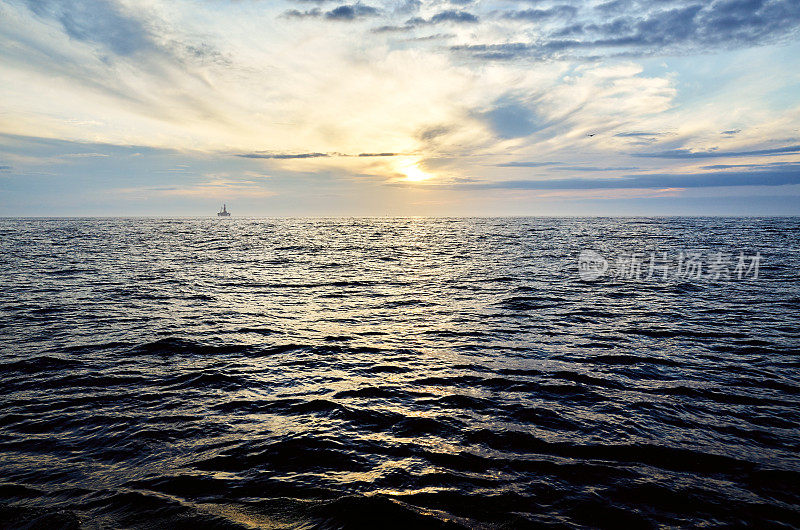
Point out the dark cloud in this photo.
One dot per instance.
(533, 15)
(458, 17)
(351, 12)
(377, 154)
(686, 153)
(431, 133)
(450, 16)
(573, 30)
(633, 28)
(347, 12)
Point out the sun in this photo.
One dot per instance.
(413, 173)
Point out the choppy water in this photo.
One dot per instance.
(393, 372)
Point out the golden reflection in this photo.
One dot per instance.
(245, 516)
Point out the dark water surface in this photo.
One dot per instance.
(394, 373)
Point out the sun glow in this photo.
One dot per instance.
(413, 173)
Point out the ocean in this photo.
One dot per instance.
(400, 372)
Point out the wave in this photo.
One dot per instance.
(449, 373)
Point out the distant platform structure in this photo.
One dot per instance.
(224, 212)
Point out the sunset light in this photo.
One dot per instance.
(415, 264)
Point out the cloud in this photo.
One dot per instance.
(290, 156)
(84, 155)
(638, 134)
(535, 15)
(212, 188)
(644, 28)
(102, 23)
(40, 147)
(351, 12)
(593, 168)
(435, 36)
(511, 50)
(770, 177)
(283, 156)
(431, 133)
(527, 164)
(96, 21)
(117, 63)
(787, 165)
(457, 17)
(347, 12)
(296, 13)
(407, 6)
(239, 87)
(451, 16)
(688, 154)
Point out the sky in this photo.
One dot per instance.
(399, 107)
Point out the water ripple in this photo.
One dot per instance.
(444, 373)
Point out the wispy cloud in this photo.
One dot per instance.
(638, 134)
(772, 165)
(772, 177)
(289, 156)
(283, 156)
(527, 164)
(211, 189)
(562, 12)
(688, 154)
(594, 168)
